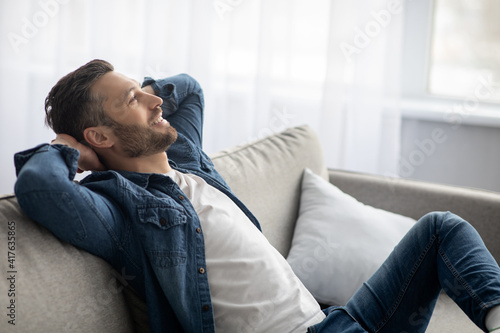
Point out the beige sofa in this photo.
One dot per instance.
(59, 288)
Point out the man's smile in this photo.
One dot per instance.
(158, 120)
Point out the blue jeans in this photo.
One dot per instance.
(441, 252)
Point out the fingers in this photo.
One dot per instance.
(148, 89)
(64, 139)
(88, 160)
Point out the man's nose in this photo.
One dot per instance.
(155, 101)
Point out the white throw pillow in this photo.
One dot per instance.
(340, 242)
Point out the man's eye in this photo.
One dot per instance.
(133, 99)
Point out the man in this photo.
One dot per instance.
(200, 260)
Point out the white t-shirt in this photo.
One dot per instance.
(253, 289)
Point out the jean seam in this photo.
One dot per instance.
(406, 284)
(461, 280)
(489, 305)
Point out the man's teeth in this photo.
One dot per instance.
(160, 118)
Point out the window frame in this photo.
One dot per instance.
(417, 101)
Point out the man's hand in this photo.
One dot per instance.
(149, 90)
(88, 158)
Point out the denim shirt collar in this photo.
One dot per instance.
(138, 178)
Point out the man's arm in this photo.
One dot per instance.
(183, 104)
(47, 193)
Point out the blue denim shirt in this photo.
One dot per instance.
(142, 224)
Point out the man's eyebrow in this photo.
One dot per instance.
(123, 98)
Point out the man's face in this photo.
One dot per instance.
(136, 116)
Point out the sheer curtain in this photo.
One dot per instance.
(264, 66)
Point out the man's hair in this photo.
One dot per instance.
(71, 107)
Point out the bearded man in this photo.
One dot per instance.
(155, 206)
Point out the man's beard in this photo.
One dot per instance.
(137, 141)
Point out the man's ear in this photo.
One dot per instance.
(99, 137)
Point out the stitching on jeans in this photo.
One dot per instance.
(406, 284)
(491, 304)
(462, 282)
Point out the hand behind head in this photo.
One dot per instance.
(88, 160)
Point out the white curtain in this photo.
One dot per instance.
(264, 66)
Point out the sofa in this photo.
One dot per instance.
(50, 286)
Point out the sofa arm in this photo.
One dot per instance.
(416, 198)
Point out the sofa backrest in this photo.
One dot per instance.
(266, 176)
(53, 286)
(416, 198)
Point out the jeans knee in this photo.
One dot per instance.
(442, 222)
(434, 219)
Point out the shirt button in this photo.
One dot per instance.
(201, 270)
(181, 197)
(163, 221)
(198, 230)
(205, 308)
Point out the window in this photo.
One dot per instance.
(449, 68)
(465, 47)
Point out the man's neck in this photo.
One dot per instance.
(157, 163)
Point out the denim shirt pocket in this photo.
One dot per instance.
(163, 217)
(164, 228)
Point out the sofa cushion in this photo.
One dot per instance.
(339, 242)
(55, 286)
(266, 174)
